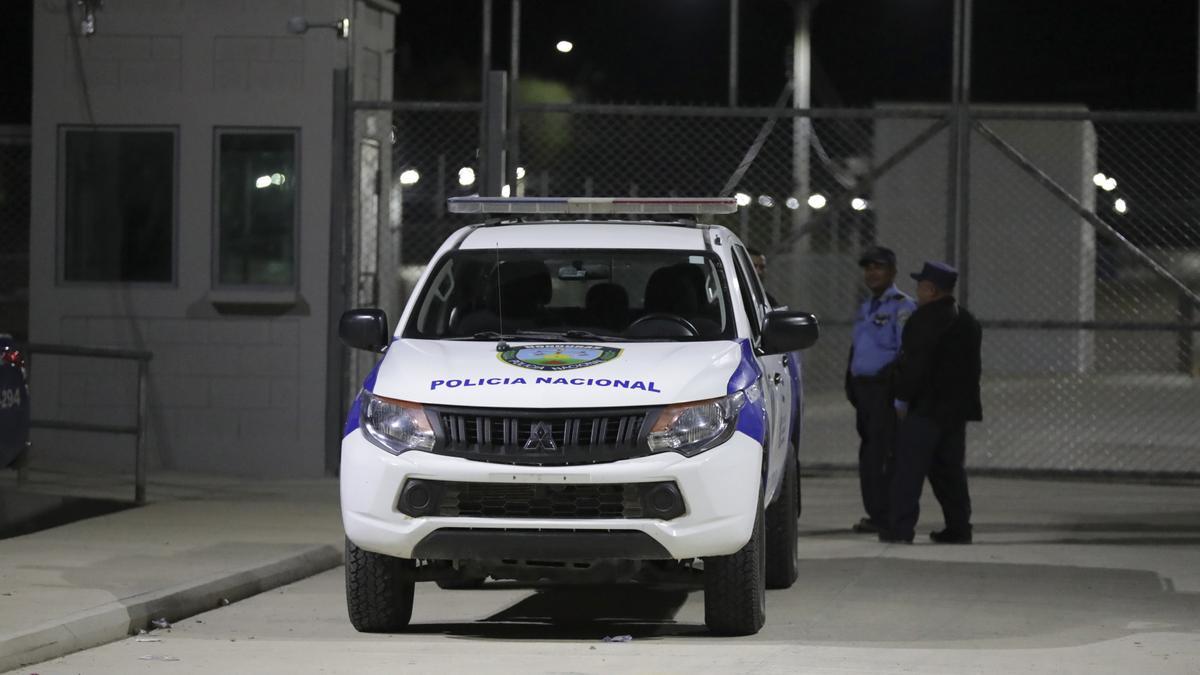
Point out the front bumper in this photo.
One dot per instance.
(720, 489)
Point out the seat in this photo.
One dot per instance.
(670, 291)
(517, 289)
(607, 306)
(679, 290)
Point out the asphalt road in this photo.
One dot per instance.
(1064, 577)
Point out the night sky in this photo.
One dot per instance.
(1108, 54)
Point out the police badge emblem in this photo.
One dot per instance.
(558, 357)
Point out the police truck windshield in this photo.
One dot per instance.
(543, 294)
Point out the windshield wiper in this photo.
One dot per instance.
(576, 334)
(502, 345)
(561, 335)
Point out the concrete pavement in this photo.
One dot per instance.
(1064, 577)
(201, 542)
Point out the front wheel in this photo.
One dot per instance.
(783, 551)
(735, 592)
(379, 590)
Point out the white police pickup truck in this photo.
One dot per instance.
(577, 399)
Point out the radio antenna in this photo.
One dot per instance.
(501, 346)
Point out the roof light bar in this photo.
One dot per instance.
(592, 205)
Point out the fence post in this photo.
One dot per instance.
(139, 489)
(1187, 314)
(514, 125)
(497, 133)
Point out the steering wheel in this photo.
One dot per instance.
(664, 316)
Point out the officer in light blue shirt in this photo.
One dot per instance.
(876, 344)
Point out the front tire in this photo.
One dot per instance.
(783, 550)
(379, 590)
(734, 586)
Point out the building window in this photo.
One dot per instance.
(118, 195)
(257, 184)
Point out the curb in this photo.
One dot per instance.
(121, 618)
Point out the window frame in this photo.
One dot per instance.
(60, 205)
(753, 291)
(215, 282)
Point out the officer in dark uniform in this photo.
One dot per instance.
(876, 343)
(936, 394)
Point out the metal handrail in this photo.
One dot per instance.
(138, 430)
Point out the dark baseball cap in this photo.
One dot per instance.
(877, 254)
(942, 275)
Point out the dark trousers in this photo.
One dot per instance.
(875, 420)
(933, 448)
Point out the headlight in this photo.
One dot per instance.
(692, 428)
(396, 426)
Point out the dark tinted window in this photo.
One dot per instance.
(256, 207)
(118, 205)
(621, 294)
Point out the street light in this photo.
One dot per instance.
(409, 177)
(300, 25)
(564, 46)
(858, 204)
(1120, 206)
(766, 200)
(1099, 179)
(742, 198)
(1110, 184)
(817, 200)
(792, 203)
(466, 176)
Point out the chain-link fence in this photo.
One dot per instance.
(1080, 252)
(14, 231)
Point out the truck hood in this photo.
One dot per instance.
(544, 375)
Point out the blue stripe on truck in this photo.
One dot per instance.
(752, 421)
(356, 407)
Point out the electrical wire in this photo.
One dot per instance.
(77, 50)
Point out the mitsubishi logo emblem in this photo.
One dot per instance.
(541, 437)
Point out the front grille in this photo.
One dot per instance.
(541, 437)
(422, 497)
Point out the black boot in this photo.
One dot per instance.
(948, 536)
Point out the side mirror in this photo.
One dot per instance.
(365, 329)
(787, 331)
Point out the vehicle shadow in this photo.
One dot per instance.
(580, 613)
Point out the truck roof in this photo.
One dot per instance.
(588, 235)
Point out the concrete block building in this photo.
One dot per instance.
(188, 190)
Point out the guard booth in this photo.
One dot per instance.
(188, 197)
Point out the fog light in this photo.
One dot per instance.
(663, 501)
(417, 499)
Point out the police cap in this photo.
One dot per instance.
(942, 275)
(878, 254)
